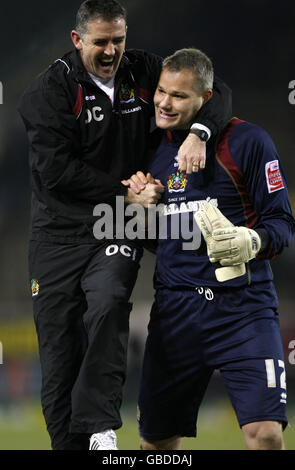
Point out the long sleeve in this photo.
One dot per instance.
(218, 110)
(267, 187)
(55, 150)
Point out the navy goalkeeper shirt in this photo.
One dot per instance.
(244, 179)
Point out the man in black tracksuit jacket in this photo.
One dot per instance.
(82, 145)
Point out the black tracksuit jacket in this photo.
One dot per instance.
(81, 145)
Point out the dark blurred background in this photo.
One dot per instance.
(251, 44)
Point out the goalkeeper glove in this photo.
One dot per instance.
(231, 246)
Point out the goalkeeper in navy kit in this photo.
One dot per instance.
(215, 304)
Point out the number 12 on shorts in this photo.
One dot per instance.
(271, 373)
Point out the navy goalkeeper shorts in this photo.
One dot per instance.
(191, 334)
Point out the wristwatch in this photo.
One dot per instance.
(203, 135)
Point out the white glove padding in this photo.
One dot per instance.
(213, 223)
(209, 218)
(233, 245)
(230, 272)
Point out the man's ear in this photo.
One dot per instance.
(76, 38)
(207, 95)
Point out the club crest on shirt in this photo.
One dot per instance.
(127, 94)
(35, 287)
(177, 182)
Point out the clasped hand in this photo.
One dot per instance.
(143, 189)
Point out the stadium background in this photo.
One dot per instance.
(251, 43)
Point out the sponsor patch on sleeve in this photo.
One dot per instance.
(273, 176)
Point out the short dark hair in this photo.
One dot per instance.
(195, 60)
(108, 10)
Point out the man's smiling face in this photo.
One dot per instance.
(176, 99)
(102, 46)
